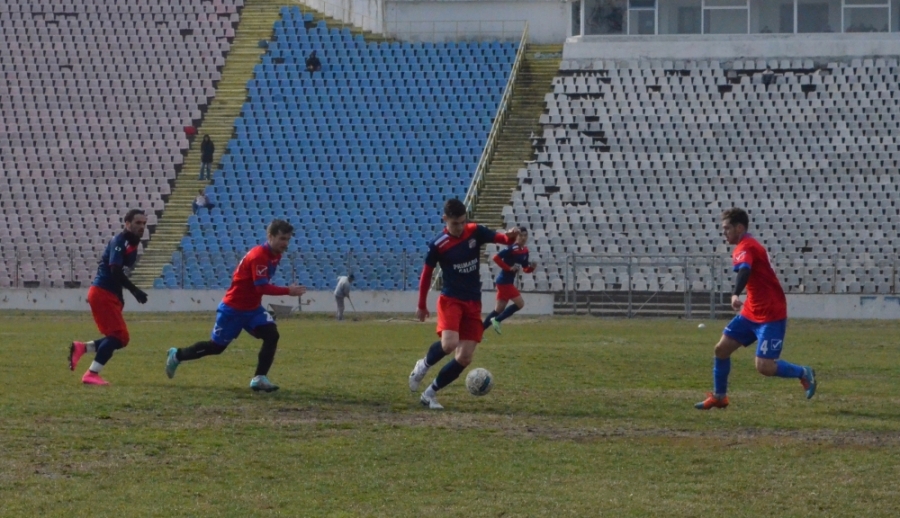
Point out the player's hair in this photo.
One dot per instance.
(454, 208)
(129, 216)
(736, 216)
(523, 230)
(279, 226)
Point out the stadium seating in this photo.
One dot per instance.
(94, 100)
(359, 157)
(642, 157)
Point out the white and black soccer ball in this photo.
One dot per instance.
(479, 382)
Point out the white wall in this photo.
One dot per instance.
(366, 14)
(724, 47)
(850, 307)
(208, 300)
(548, 20)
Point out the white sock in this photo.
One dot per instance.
(90, 347)
(96, 367)
(430, 392)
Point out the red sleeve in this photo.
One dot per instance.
(501, 263)
(268, 289)
(502, 239)
(424, 285)
(528, 269)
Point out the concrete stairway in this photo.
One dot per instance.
(540, 65)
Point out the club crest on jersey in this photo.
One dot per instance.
(262, 270)
(473, 243)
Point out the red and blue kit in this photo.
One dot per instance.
(765, 298)
(459, 306)
(506, 279)
(105, 293)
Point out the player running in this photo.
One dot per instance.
(241, 308)
(511, 261)
(763, 316)
(457, 250)
(106, 301)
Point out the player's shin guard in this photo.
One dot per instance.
(508, 312)
(788, 370)
(199, 350)
(450, 372)
(270, 336)
(435, 354)
(487, 321)
(106, 348)
(721, 369)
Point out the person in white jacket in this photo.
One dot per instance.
(341, 291)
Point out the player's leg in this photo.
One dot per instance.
(470, 334)
(448, 316)
(79, 349)
(498, 308)
(517, 303)
(227, 327)
(106, 309)
(770, 341)
(269, 335)
(339, 301)
(738, 333)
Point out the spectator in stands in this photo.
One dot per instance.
(768, 77)
(341, 291)
(207, 148)
(312, 62)
(202, 201)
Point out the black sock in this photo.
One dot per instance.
(508, 312)
(435, 354)
(198, 350)
(487, 321)
(106, 348)
(269, 335)
(450, 372)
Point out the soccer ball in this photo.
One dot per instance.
(479, 382)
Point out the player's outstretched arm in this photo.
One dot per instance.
(119, 274)
(424, 285)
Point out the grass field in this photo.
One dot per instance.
(588, 418)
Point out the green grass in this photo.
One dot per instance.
(587, 418)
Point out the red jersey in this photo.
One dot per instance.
(765, 298)
(251, 279)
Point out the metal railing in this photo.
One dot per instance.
(490, 147)
(693, 281)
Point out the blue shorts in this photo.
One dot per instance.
(230, 322)
(769, 336)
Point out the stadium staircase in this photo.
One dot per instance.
(534, 81)
(257, 20)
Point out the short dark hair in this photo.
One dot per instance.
(736, 216)
(129, 216)
(453, 208)
(279, 226)
(523, 230)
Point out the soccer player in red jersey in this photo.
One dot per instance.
(762, 318)
(511, 261)
(241, 308)
(457, 250)
(106, 301)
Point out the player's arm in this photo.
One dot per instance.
(740, 282)
(116, 268)
(431, 261)
(499, 259)
(528, 267)
(262, 286)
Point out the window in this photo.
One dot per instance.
(681, 16)
(576, 18)
(726, 17)
(818, 15)
(605, 16)
(772, 16)
(867, 16)
(642, 17)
